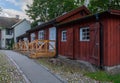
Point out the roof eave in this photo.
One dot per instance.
(82, 18)
(18, 23)
(42, 26)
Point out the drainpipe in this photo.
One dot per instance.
(101, 45)
(56, 42)
(100, 40)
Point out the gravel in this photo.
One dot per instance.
(8, 71)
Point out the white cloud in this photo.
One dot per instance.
(13, 13)
(24, 3)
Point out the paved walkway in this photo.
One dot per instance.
(32, 71)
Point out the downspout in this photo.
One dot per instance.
(56, 43)
(101, 45)
(100, 40)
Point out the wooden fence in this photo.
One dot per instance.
(37, 48)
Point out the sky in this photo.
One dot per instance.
(11, 8)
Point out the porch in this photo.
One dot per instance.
(36, 48)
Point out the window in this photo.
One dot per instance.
(41, 35)
(8, 41)
(32, 36)
(64, 35)
(8, 31)
(84, 34)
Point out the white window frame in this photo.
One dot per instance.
(64, 37)
(84, 35)
(41, 35)
(32, 36)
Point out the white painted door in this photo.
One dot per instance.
(32, 36)
(25, 39)
(52, 36)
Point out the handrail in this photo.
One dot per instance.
(36, 46)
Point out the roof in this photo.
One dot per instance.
(42, 26)
(57, 19)
(111, 12)
(23, 35)
(68, 14)
(19, 22)
(6, 22)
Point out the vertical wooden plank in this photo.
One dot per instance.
(78, 42)
(70, 42)
(109, 42)
(112, 42)
(118, 41)
(105, 31)
(36, 34)
(115, 40)
(95, 44)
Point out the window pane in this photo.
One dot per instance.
(64, 35)
(84, 34)
(41, 35)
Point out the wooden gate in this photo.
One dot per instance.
(95, 44)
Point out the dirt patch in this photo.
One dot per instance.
(68, 72)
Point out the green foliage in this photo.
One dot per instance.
(12, 43)
(45, 10)
(103, 76)
(35, 23)
(10, 46)
(101, 5)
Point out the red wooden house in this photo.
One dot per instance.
(43, 31)
(93, 38)
(48, 28)
(83, 36)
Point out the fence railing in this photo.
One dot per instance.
(37, 48)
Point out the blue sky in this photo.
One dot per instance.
(9, 5)
(11, 8)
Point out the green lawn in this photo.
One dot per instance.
(103, 76)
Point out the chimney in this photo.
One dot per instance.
(17, 16)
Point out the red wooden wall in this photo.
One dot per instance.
(74, 48)
(90, 50)
(113, 52)
(66, 47)
(74, 16)
(46, 29)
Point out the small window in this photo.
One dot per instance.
(9, 32)
(85, 34)
(32, 36)
(41, 35)
(64, 35)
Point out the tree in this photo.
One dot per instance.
(115, 4)
(45, 10)
(101, 5)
